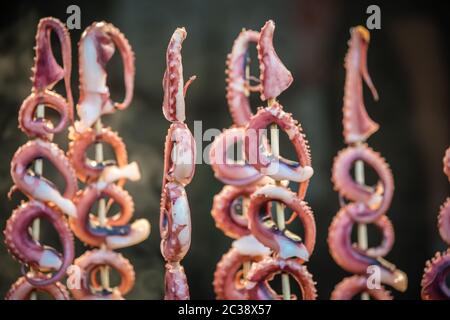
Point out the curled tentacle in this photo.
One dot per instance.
(433, 284)
(175, 223)
(355, 260)
(274, 76)
(354, 285)
(89, 170)
(173, 82)
(237, 81)
(285, 243)
(47, 72)
(22, 290)
(96, 48)
(117, 233)
(446, 162)
(357, 124)
(21, 245)
(258, 287)
(228, 277)
(226, 169)
(41, 127)
(444, 221)
(38, 187)
(89, 262)
(179, 154)
(225, 211)
(277, 167)
(375, 200)
(175, 282)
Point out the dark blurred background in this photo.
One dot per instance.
(408, 61)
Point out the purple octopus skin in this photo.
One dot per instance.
(228, 283)
(274, 76)
(433, 284)
(225, 214)
(354, 285)
(22, 290)
(173, 83)
(278, 167)
(46, 73)
(118, 233)
(355, 260)
(175, 223)
(89, 263)
(227, 169)
(258, 287)
(88, 170)
(444, 221)
(285, 243)
(376, 200)
(37, 187)
(96, 48)
(179, 154)
(358, 126)
(175, 282)
(238, 86)
(30, 252)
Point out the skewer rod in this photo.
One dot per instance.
(104, 270)
(274, 143)
(362, 228)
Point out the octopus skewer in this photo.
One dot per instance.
(179, 168)
(45, 200)
(103, 178)
(245, 271)
(368, 204)
(436, 269)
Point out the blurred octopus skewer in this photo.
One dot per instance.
(45, 200)
(179, 169)
(103, 178)
(260, 178)
(437, 268)
(369, 204)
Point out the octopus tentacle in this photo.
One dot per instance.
(89, 170)
(358, 126)
(355, 260)
(227, 170)
(30, 252)
(22, 290)
(175, 282)
(237, 82)
(354, 285)
(41, 127)
(117, 233)
(274, 76)
(262, 272)
(173, 84)
(375, 203)
(175, 223)
(90, 261)
(46, 71)
(277, 167)
(446, 163)
(228, 283)
(444, 221)
(96, 47)
(433, 283)
(285, 243)
(38, 187)
(179, 154)
(224, 210)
